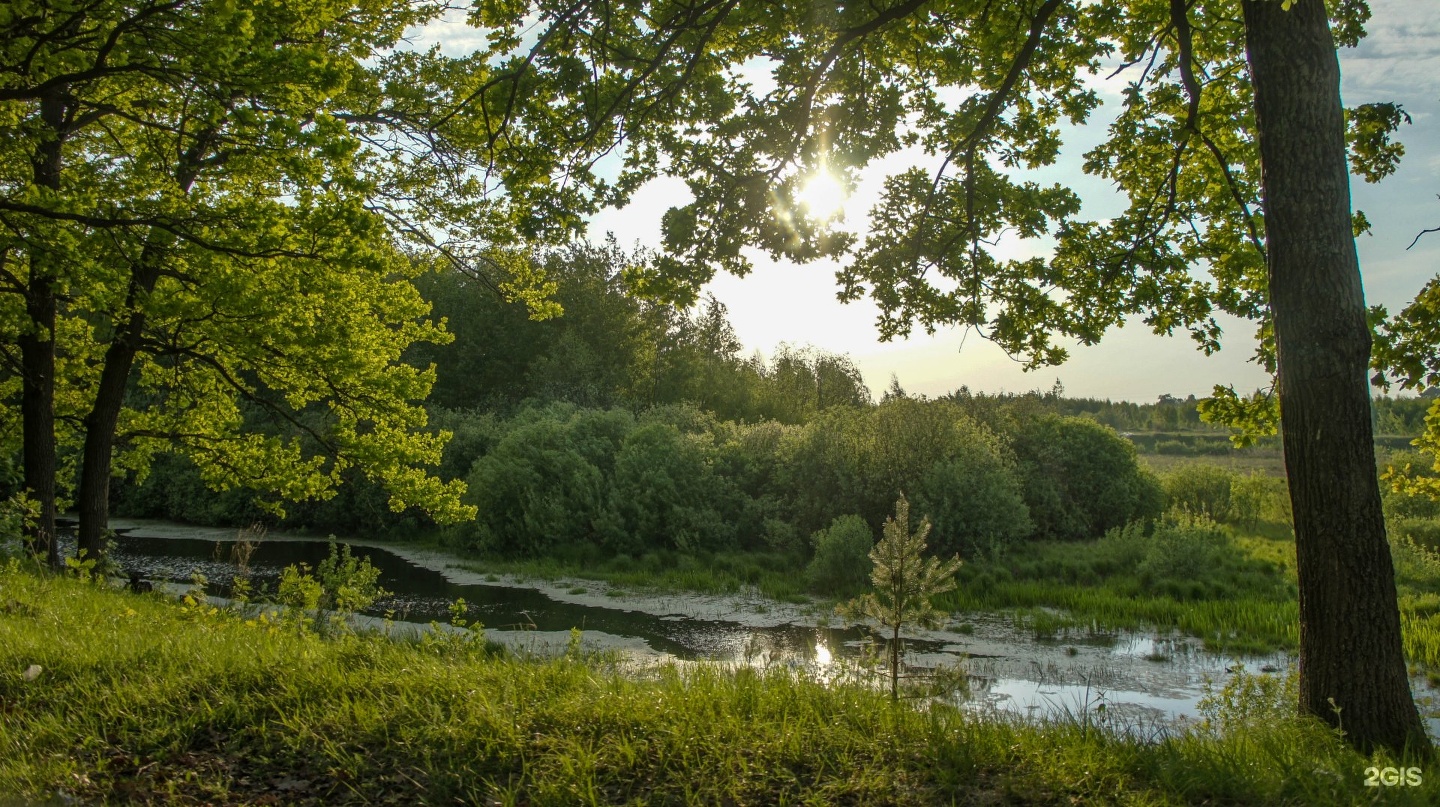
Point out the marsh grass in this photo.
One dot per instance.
(1235, 593)
(143, 700)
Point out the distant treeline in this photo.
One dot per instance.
(612, 349)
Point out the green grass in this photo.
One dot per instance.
(140, 700)
(1241, 600)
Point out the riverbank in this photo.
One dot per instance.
(1232, 589)
(747, 606)
(1143, 675)
(111, 696)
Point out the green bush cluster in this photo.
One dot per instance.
(842, 556)
(1222, 495)
(676, 478)
(553, 477)
(1182, 548)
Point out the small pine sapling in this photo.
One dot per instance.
(904, 581)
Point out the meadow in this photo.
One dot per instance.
(108, 695)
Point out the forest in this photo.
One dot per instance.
(341, 463)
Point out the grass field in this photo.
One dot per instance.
(118, 698)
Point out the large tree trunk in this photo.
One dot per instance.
(104, 415)
(1352, 667)
(37, 350)
(37, 411)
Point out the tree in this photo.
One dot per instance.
(150, 126)
(904, 581)
(1350, 648)
(186, 185)
(1230, 145)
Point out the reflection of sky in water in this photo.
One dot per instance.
(1141, 680)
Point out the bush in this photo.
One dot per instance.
(841, 565)
(1125, 547)
(534, 491)
(1182, 548)
(1423, 532)
(1202, 489)
(665, 491)
(1081, 479)
(973, 499)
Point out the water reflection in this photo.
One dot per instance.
(1138, 679)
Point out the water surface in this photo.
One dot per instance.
(1142, 680)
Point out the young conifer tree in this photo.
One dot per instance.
(904, 581)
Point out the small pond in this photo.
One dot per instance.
(1143, 680)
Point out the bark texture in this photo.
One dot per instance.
(1352, 666)
(100, 424)
(37, 349)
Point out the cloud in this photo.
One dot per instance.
(1399, 58)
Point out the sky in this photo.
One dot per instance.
(795, 303)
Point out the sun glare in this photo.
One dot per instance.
(822, 195)
(822, 655)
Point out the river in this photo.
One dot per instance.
(1146, 682)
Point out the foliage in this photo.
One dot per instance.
(350, 584)
(974, 500)
(1248, 700)
(1081, 478)
(665, 492)
(298, 589)
(842, 563)
(1204, 490)
(1412, 481)
(1182, 546)
(555, 475)
(904, 580)
(612, 348)
(865, 457)
(535, 490)
(342, 583)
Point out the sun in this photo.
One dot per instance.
(822, 195)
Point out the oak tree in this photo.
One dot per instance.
(1229, 146)
(210, 205)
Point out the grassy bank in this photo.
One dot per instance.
(1238, 596)
(1237, 593)
(137, 699)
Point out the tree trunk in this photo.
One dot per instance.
(895, 664)
(1352, 667)
(37, 350)
(104, 415)
(37, 411)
